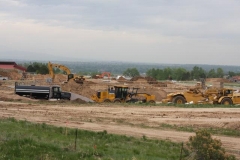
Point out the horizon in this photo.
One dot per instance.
(102, 61)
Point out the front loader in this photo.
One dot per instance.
(121, 94)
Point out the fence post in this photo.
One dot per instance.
(76, 139)
(181, 152)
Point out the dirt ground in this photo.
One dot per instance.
(122, 118)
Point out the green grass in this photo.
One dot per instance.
(164, 126)
(23, 140)
(218, 131)
(199, 105)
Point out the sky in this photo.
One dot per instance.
(151, 31)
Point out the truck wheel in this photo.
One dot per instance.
(106, 101)
(227, 101)
(179, 100)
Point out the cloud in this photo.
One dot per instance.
(158, 30)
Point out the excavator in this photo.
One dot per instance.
(77, 79)
(121, 94)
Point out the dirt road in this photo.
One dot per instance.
(130, 120)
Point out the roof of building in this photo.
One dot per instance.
(8, 63)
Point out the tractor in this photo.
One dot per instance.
(121, 94)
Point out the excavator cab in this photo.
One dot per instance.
(70, 76)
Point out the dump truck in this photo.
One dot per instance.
(41, 92)
(121, 94)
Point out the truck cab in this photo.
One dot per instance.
(55, 92)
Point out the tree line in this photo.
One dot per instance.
(181, 74)
(40, 68)
(175, 73)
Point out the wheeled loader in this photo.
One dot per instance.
(121, 94)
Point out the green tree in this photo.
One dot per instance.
(131, 72)
(220, 73)
(155, 73)
(186, 76)
(178, 73)
(43, 69)
(231, 74)
(30, 68)
(212, 74)
(167, 72)
(198, 72)
(37, 67)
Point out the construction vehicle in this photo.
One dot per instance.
(77, 79)
(223, 96)
(121, 94)
(102, 75)
(193, 95)
(41, 92)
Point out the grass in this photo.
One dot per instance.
(199, 105)
(24, 140)
(218, 131)
(215, 131)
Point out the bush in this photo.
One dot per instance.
(207, 148)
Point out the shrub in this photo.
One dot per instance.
(207, 148)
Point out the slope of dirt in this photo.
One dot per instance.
(119, 119)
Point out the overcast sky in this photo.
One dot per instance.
(157, 31)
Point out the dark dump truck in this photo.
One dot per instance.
(41, 92)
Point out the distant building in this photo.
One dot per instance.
(11, 65)
(235, 79)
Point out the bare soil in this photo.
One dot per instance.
(122, 119)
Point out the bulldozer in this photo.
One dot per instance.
(225, 96)
(70, 76)
(121, 94)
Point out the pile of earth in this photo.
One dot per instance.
(11, 74)
(159, 94)
(148, 80)
(81, 89)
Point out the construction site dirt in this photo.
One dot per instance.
(124, 119)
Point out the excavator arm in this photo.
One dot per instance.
(62, 67)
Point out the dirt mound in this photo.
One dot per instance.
(217, 80)
(148, 80)
(159, 94)
(82, 89)
(11, 74)
(121, 79)
(79, 101)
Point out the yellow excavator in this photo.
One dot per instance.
(77, 79)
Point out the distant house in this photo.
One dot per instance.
(235, 79)
(11, 65)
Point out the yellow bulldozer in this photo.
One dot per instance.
(121, 94)
(225, 96)
(77, 79)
